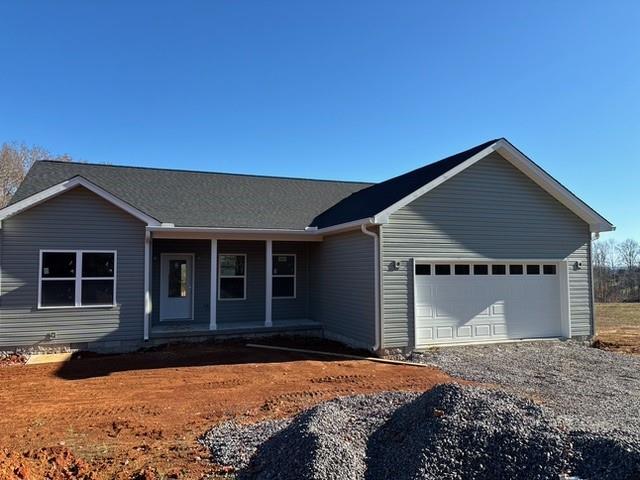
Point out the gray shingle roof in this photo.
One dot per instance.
(200, 199)
(203, 199)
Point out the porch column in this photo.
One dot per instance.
(147, 284)
(269, 284)
(213, 295)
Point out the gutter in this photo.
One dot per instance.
(307, 232)
(376, 279)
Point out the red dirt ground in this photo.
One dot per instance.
(138, 416)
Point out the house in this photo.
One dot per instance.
(480, 246)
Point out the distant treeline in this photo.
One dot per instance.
(616, 271)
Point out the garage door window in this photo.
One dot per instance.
(423, 269)
(498, 269)
(515, 269)
(462, 269)
(481, 269)
(533, 269)
(443, 269)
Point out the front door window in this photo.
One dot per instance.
(178, 284)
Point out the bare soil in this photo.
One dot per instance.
(139, 415)
(618, 327)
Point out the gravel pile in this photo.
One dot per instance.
(457, 432)
(233, 444)
(449, 432)
(327, 441)
(605, 455)
(589, 388)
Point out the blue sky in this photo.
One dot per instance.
(360, 90)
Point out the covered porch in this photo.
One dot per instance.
(224, 286)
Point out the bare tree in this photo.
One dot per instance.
(15, 161)
(605, 262)
(628, 253)
(616, 270)
(600, 259)
(629, 256)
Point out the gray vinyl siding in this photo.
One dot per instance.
(490, 210)
(77, 219)
(342, 282)
(294, 308)
(201, 250)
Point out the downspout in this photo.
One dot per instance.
(376, 279)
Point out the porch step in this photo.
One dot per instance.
(233, 329)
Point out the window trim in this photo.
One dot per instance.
(78, 279)
(294, 276)
(244, 277)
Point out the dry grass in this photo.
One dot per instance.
(618, 327)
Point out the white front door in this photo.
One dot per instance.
(466, 302)
(176, 286)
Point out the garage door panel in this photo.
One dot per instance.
(483, 330)
(424, 311)
(468, 308)
(465, 331)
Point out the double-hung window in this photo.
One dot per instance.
(284, 276)
(77, 278)
(232, 277)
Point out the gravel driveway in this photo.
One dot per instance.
(590, 426)
(590, 388)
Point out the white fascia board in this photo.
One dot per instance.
(342, 227)
(596, 222)
(67, 185)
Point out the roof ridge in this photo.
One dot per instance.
(205, 172)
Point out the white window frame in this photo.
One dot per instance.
(294, 276)
(244, 277)
(78, 279)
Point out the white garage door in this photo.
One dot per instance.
(466, 302)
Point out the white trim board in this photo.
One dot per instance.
(67, 185)
(596, 222)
